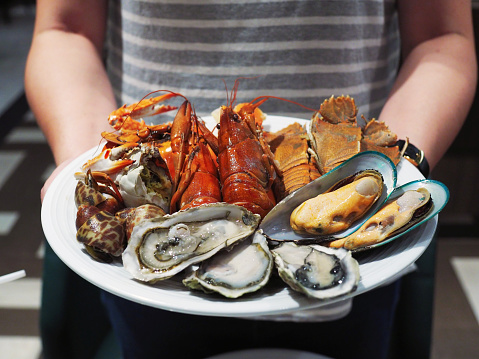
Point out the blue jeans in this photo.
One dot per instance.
(145, 332)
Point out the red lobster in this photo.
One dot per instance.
(246, 164)
(196, 174)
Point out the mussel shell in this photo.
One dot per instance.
(321, 215)
(439, 198)
(276, 224)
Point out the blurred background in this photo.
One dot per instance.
(25, 162)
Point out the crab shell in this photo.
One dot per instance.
(145, 181)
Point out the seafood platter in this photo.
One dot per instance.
(241, 213)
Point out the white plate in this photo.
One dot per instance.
(58, 219)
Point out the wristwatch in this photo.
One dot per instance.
(415, 155)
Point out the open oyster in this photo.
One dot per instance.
(276, 224)
(164, 246)
(408, 206)
(245, 268)
(317, 271)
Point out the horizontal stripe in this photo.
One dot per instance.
(24, 293)
(255, 23)
(232, 10)
(467, 271)
(20, 347)
(206, 100)
(293, 93)
(7, 221)
(10, 160)
(254, 70)
(26, 135)
(247, 46)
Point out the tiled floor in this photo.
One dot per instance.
(25, 162)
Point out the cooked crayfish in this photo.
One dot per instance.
(196, 176)
(246, 164)
(337, 136)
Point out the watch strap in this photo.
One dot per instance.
(416, 156)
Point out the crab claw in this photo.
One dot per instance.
(126, 116)
(105, 162)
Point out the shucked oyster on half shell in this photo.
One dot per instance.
(245, 268)
(276, 224)
(317, 271)
(162, 247)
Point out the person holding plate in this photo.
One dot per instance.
(408, 63)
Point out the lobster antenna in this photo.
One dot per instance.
(231, 98)
(226, 90)
(234, 92)
(262, 99)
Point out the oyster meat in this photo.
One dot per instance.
(317, 271)
(164, 246)
(245, 268)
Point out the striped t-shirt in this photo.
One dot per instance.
(304, 51)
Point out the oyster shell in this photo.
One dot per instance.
(164, 246)
(276, 224)
(317, 271)
(245, 268)
(337, 208)
(408, 206)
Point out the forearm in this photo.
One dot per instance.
(437, 81)
(68, 91)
